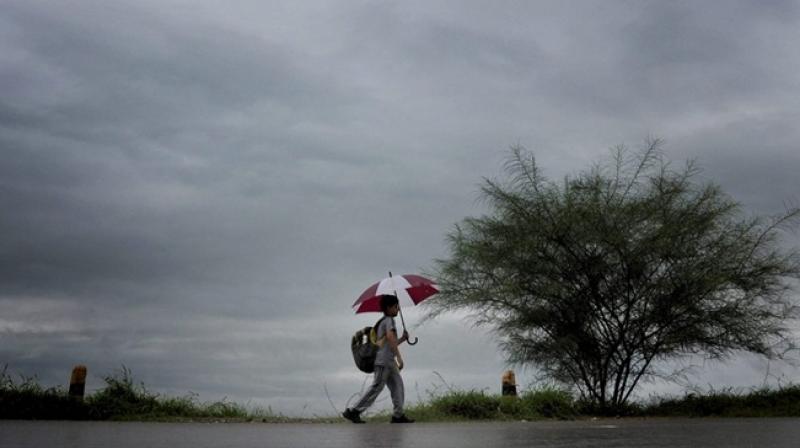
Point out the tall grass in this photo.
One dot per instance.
(122, 398)
(763, 402)
(26, 399)
(456, 405)
(554, 403)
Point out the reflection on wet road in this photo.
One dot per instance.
(729, 433)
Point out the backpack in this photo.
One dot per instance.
(365, 346)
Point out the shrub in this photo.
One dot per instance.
(764, 402)
(27, 399)
(122, 397)
(472, 405)
(549, 402)
(513, 407)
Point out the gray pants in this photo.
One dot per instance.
(384, 376)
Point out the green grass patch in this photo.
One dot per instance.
(124, 399)
(121, 399)
(26, 399)
(459, 405)
(763, 402)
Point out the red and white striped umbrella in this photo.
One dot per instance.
(409, 288)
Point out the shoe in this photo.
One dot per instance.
(352, 415)
(402, 419)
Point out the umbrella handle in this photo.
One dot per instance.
(403, 320)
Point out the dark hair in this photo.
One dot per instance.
(388, 300)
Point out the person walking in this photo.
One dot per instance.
(388, 364)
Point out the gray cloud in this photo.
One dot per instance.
(201, 192)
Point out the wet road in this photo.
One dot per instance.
(600, 433)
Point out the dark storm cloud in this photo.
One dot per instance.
(200, 192)
(134, 179)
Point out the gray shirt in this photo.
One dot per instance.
(385, 357)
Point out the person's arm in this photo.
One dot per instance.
(391, 337)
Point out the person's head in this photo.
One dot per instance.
(389, 305)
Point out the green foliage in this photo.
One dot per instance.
(457, 405)
(27, 399)
(596, 279)
(124, 399)
(471, 405)
(783, 402)
(549, 402)
(555, 403)
(121, 399)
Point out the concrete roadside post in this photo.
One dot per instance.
(509, 384)
(77, 382)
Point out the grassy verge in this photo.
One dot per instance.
(120, 399)
(554, 403)
(455, 405)
(782, 402)
(26, 399)
(124, 399)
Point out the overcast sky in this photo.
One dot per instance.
(199, 190)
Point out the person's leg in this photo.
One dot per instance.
(395, 383)
(378, 382)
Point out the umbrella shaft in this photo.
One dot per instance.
(401, 318)
(398, 305)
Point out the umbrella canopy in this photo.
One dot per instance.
(409, 287)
